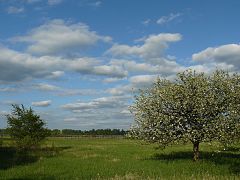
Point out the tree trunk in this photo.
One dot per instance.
(195, 151)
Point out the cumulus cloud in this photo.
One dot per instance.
(95, 4)
(222, 57)
(42, 103)
(59, 91)
(54, 2)
(143, 80)
(137, 82)
(151, 52)
(111, 80)
(7, 89)
(102, 112)
(110, 70)
(229, 54)
(79, 92)
(99, 120)
(56, 74)
(32, 1)
(134, 84)
(57, 36)
(99, 103)
(45, 87)
(163, 66)
(15, 10)
(153, 46)
(16, 66)
(166, 19)
(4, 113)
(121, 90)
(146, 22)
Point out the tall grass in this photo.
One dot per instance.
(117, 159)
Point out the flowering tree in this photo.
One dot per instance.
(195, 107)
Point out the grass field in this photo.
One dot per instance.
(92, 158)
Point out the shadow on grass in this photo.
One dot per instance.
(233, 149)
(11, 157)
(231, 159)
(33, 178)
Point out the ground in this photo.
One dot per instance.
(104, 158)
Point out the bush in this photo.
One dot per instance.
(26, 128)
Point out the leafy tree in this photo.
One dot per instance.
(55, 132)
(2, 131)
(195, 107)
(25, 127)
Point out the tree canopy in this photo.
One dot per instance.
(25, 127)
(195, 107)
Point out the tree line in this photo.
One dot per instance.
(69, 132)
(28, 130)
(93, 132)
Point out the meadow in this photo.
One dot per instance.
(117, 158)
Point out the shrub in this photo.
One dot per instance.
(25, 127)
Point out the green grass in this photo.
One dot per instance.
(90, 158)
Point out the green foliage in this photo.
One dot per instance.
(119, 159)
(25, 127)
(94, 132)
(195, 107)
(55, 132)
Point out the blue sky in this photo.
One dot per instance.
(78, 63)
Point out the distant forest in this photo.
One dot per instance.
(69, 132)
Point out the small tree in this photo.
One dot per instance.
(25, 127)
(195, 107)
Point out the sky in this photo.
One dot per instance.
(79, 63)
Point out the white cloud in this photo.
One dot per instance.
(229, 53)
(121, 90)
(110, 70)
(7, 89)
(15, 10)
(45, 87)
(104, 112)
(99, 103)
(79, 92)
(92, 66)
(60, 91)
(56, 74)
(166, 19)
(32, 1)
(164, 67)
(153, 47)
(111, 80)
(42, 103)
(146, 22)
(91, 3)
(135, 83)
(54, 2)
(58, 36)
(96, 3)
(16, 66)
(143, 80)
(4, 113)
(71, 119)
(222, 57)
